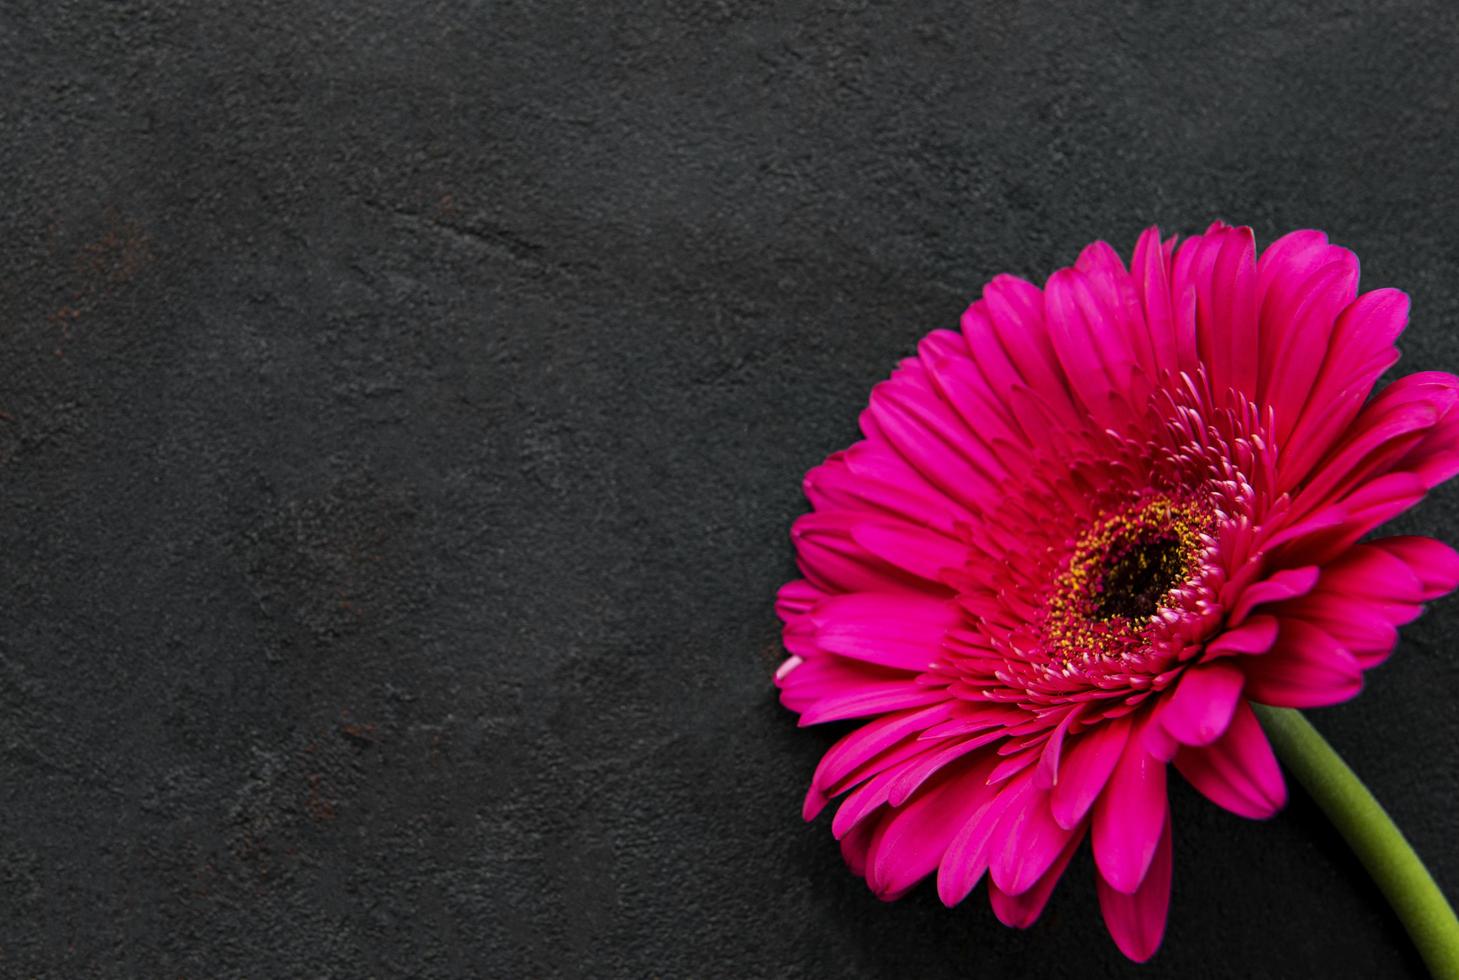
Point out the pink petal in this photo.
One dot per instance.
(915, 389)
(868, 701)
(1158, 742)
(1022, 910)
(832, 562)
(786, 666)
(860, 746)
(1113, 291)
(1032, 841)
(1183, 312)
(921, 551)
(1436, 457)
(815, 801)
(980, 403)
(854, 847)
(1366, 630)
(872, 482)
(873, 463)
(1360, 350)
(916, 836)
(1303, 310)
(1136, 920)
(1128, 817)
(1376, 575)
(918, 771)
(819, 677)
(1311, 526)
(991, 364)
(1376, 442)
(1204, 699)
(1014, 310)
(1406, 428)
(861, 803)
(1151, 274)
(1282, 585)
(1086, 769)
(1189, 274)
(968, 718)
(1367, 507)
(1255, 636)
(1306, 668)
(796, 598)
(966, 857)
(893, 630)
(928, 443)
(1228, 330)
(1048, 771)
(1369, 591)
(1014, 765)
(1238, 771)
(1435, 563)
(1285, 272)
(1095, 358)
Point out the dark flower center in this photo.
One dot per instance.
(1139, 570)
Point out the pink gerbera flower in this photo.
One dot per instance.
(1080, 535)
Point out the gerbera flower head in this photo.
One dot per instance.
(1080, 534)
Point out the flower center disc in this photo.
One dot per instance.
(1119, 574)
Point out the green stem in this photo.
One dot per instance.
(1372, 835)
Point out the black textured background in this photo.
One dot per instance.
(403, 408)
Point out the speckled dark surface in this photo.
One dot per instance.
(404, 408)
